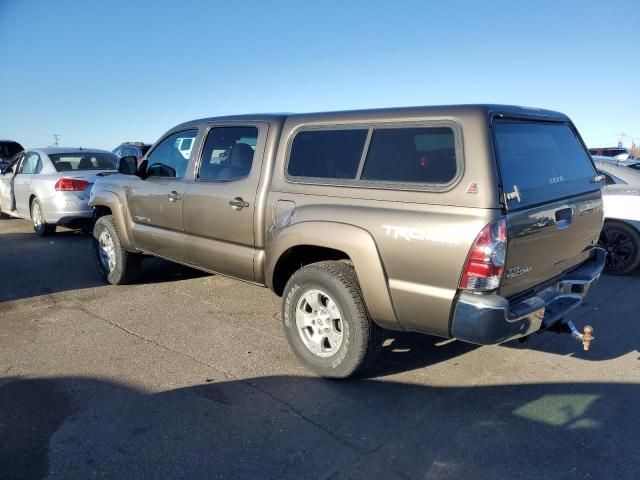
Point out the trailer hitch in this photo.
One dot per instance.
(586, 337)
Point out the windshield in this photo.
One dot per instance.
(66, 162)
(542, 160)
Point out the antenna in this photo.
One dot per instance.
(56, 139)
(622, 135)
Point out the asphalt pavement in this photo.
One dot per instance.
(188, 375)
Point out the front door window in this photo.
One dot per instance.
(168, 159)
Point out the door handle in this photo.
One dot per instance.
(238, 203)
(174, 196)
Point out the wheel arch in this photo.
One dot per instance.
(309, 242)
(101, 211)
(298, 256)
(103, 203)
(631, 223)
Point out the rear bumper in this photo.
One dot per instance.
(490, 319)
(65, 207)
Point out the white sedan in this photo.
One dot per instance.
(621, 231)
(50, 186)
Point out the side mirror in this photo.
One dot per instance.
(128, 165)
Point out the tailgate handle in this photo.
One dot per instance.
(564, 218)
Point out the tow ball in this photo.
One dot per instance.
(586, 337)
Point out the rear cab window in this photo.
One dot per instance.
(541, 161)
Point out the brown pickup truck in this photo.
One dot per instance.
(474, 222)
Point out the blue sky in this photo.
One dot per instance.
(101, 72)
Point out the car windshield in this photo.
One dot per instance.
(65, 162)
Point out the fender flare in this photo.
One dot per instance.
(105, 198)
(361, 248)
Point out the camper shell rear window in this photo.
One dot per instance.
(541, 161)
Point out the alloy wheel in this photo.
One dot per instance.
(106, 251)
(319, 323)
(619, 246)
(36, 215)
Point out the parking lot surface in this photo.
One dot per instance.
(188, 375)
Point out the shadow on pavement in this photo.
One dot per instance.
(611, 308)
(34, 266)
(616, 336)
(404, 352)
(295, 427)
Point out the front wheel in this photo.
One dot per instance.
(116, 265)
(40, 226)
(622, 243)
(326, 322)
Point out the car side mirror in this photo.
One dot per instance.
(128, 165)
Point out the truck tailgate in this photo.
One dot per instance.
(552, 196)
(547, 240)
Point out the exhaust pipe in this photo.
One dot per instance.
(586, 337)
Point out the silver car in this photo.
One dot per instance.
(621, 231)
(51, 186)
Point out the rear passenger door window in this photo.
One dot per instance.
(167, 160)
(424, 155)
(330, 154)
(30, 165)
(228, 154)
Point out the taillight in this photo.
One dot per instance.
(71, 185)
(485, 263)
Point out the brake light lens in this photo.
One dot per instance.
(485, 263)
(71, 185)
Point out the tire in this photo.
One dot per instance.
(116, 265)
(622, 243)
(40, 225)
(333, 288)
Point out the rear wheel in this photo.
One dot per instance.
(115, 264)
(326, 322)
(622, 243)
(40, 226)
